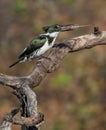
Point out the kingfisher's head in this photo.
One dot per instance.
(61, 28)
(53, 28)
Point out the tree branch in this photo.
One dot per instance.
(12, 118)
(22, 85)
(56, 55)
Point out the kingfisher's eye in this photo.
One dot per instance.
(57, 26)
(42, 36)
(45, 29)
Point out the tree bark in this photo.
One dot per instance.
(30, 118)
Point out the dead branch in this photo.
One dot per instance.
(56, 54)
(12, 118)
(22, 85)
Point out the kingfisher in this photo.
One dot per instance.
(40, 44)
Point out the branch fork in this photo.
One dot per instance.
(29, 117)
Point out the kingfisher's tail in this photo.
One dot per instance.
(14, 63)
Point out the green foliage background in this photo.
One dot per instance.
(73, 97)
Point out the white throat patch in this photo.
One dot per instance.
(54, 34)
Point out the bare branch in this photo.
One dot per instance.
(6, 125)
(59, 51)
(22, 85)
(12, 118)
(56, 54)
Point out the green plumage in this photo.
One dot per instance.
(38, 46)
(34, 45)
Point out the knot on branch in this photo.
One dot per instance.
(97, 31)
(35, 120)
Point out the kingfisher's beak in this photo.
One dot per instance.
(71, 27)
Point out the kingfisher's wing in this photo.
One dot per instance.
(33, 46)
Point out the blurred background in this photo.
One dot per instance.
(73, 97)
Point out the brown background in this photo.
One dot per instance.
(74, 97)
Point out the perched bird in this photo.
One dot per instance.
(39, 45)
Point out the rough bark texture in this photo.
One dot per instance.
(30, 118)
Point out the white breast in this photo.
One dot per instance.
(46, 46)
(53, 34)
(43, 49)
